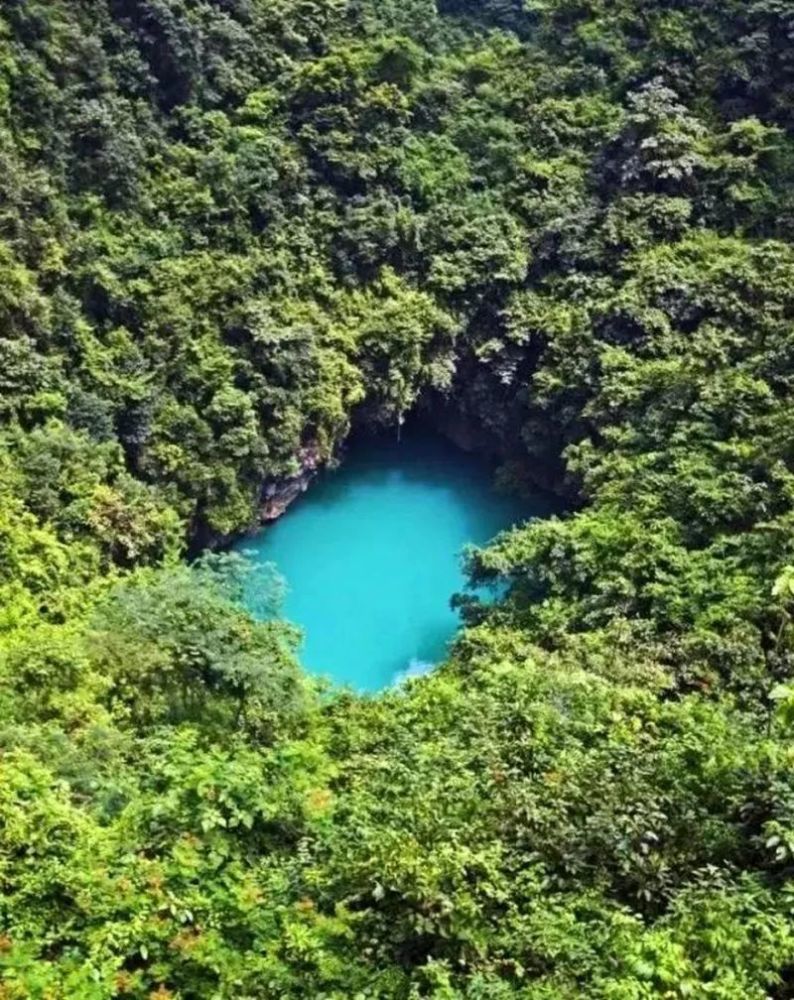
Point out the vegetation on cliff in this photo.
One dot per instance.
(228, 229)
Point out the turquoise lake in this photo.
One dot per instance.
(371, 555)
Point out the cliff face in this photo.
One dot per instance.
(278, 494)
(452, 421)
(463, 431)
(540, 469)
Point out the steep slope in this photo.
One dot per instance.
(228, 230)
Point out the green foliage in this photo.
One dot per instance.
(178, 648)
(229, 234)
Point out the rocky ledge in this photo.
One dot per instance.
(278, 494)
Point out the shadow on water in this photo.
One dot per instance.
(376, 461)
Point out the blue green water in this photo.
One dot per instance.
(371, 556)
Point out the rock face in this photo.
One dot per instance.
(459, 428)
(278, 494)
(464, 431)
(467, 433)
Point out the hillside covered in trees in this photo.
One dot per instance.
(230, 232)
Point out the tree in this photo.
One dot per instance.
(179, 648)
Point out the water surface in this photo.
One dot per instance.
(371, 555)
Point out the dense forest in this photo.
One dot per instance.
(230, 232)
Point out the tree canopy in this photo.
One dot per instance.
(230, 232)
